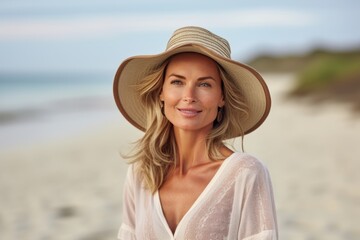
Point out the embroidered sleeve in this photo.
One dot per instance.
(257, 208)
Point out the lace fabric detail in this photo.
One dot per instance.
(258, 216)
(242, 187)
(203, 224)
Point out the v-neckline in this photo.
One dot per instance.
(208, 187)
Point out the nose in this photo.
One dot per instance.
(189, 94)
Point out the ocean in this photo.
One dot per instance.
(38, 107)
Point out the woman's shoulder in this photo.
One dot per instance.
(247, 169)
(133, 173)
(246, 162)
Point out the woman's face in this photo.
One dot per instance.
(192, 92)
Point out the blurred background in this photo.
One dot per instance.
(61, 135)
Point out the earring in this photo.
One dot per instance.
(219, 117)
(162, 108)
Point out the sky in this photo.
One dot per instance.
(96, 35)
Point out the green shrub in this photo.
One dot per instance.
(324, 72)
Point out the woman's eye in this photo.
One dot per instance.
(205, 84)
(175, 82)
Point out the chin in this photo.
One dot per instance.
(192, 127)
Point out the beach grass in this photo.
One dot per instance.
(325, 72)
(321, 75)
(330, 77)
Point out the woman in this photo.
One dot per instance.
(184, 182)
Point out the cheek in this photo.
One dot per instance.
(213, 100)
(170, 96)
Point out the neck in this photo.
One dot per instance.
(191, 149)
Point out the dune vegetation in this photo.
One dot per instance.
(322, 75)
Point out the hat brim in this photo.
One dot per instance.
(134, 69)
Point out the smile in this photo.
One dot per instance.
(189, 112)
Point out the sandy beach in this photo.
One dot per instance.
(71, 188)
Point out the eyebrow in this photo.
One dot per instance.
(199, 79)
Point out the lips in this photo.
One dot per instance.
(189, 112)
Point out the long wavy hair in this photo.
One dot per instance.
(156, 151)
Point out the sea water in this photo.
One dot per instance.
(37, 107)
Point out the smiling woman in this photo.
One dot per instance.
(192, 93)
(183, 182)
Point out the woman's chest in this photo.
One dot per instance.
(209, 218)
(178, 195)
(180, 212)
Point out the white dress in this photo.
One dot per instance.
(237, 203)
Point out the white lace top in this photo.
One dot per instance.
(237, 203)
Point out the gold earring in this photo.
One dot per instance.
(162, 108)
(219, 116)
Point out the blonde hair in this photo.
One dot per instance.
(156, 151)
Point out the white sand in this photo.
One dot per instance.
(71, 188)
(313, 154)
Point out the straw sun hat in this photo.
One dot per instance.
(198, 40)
